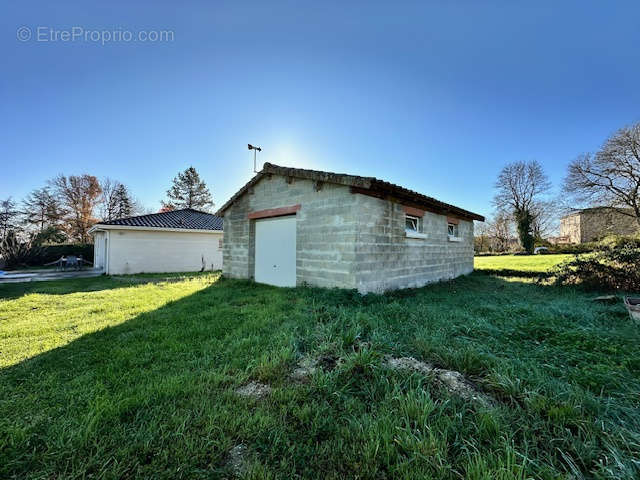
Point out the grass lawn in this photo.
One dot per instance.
(519, 263)
(101, 378)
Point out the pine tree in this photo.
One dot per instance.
(42, 210)
(116, 200)
(123, 202)
(8, 217)
(189, 191)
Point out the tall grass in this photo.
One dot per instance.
(106, 379)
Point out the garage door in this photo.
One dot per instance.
(275, 254)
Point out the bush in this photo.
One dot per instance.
(613, 266)
(577, 248)
(18, 253)
(30, 253)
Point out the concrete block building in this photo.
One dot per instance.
(592, 224)
(291, 227)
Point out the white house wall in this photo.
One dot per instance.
(133, 251)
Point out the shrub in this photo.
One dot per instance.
(577, 248)
(613, 265)
(16, 252)
(29, 252)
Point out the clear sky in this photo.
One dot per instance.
(435, 96)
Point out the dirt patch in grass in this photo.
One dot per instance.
(254, 390)
(237, 459)
(327, 362)
(309, 365)
(451, 380)
(409, 363)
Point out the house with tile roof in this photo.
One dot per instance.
(183, 240)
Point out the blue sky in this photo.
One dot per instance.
(435, 96)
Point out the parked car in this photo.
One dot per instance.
(540, 250)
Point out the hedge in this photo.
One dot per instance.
(51, 253)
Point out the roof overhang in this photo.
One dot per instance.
(101, 228)
(363, 185)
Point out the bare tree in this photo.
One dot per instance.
(80, 195)
(546, 218)
(481, 241)
(611, 176)
(520, 186)
(138, 207)
(107, 199)
(500, 231)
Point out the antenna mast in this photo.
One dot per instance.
(255, 149)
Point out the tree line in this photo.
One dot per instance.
(66, 207)
(607, 178)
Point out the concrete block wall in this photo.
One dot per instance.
(235, 245)
(387, 259)
(325, 230)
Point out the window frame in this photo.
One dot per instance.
(455, 227)
(417, 233)
(415, 219)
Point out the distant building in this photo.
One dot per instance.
(591, 224)
(184, 240)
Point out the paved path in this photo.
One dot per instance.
(44, 275)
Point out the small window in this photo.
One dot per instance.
(452, 230)
(220, 244)
(411, 223)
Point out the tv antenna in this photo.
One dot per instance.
(255, 149)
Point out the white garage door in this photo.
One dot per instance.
(276, 251)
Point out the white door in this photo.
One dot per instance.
(99, 250)
(275, 255)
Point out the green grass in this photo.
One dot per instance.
(101, 378)
(519, 263)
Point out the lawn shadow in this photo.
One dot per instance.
(98, 382)
(507, 272)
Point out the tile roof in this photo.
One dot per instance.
(187, 218)
(369, 185)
